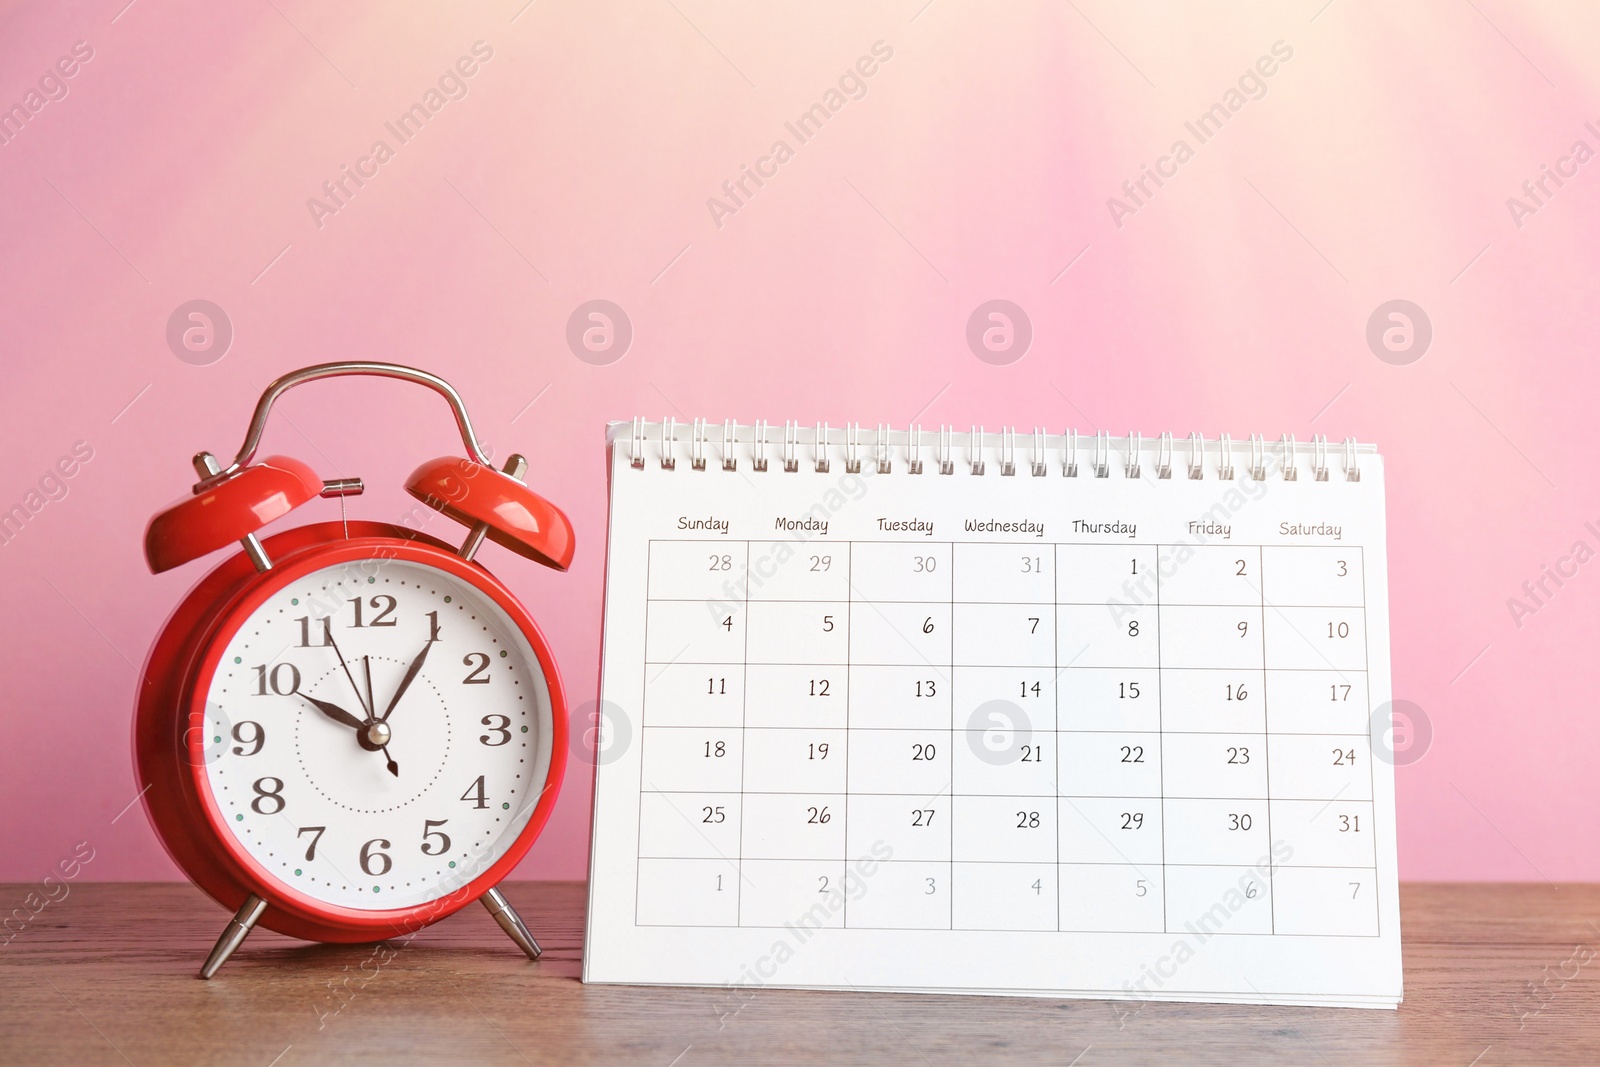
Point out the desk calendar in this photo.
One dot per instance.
(1040, 714)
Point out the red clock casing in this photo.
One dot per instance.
(169, 734)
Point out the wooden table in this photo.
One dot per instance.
(1495, 974)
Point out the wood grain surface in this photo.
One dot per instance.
(1495, 974)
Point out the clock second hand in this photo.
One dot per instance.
(366, 670)
(359, 698)
(365, 702)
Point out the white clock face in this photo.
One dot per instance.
(378, 734)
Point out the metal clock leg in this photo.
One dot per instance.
(238, 928)
(511, 922)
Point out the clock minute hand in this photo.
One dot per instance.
(405, 683)
(334, 712)
(359, 699)
(366, 670)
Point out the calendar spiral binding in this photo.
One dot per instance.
(914, 450)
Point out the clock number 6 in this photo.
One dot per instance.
(368, 856)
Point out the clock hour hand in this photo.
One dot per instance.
(371, 734)
(334, 712)
(405, 683)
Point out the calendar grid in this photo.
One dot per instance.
(744, 732)
(951, 821)
(995, 796)
(1161, 728)
(860, 663)
(922, 730)
(1055, 732)
(992, 929)
(992, 603)
(1366, 662)
(850, 624)
(1266, 743)
(1026, 863)
(644, 740)
(752, 631)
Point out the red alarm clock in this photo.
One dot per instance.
(350, 730)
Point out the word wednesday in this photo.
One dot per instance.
(452, 86)
(1251, 86)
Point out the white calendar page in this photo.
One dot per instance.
(1106, 735)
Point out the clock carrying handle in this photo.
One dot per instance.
(231, 503)
(258, 421)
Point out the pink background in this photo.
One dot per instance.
(977, 166)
